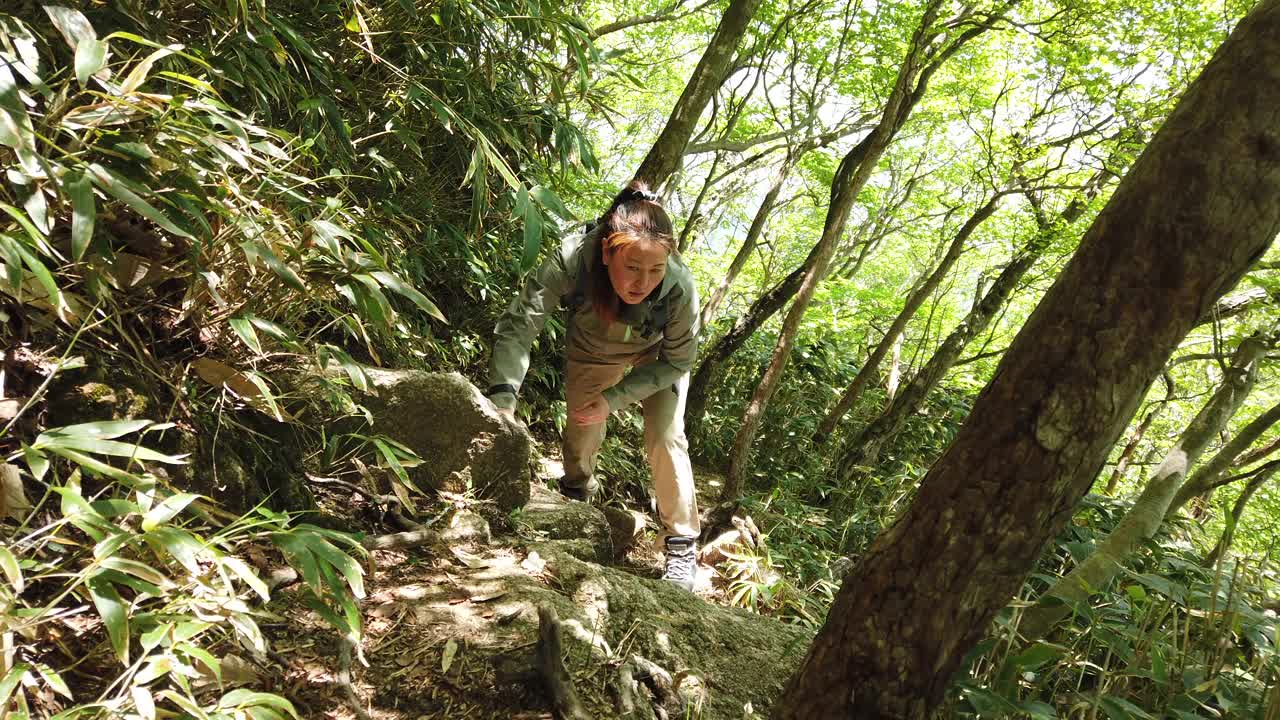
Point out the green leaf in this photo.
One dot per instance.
(248, 575)
(329, 236)
(532, 236)
(267, 396)
(72, 24)
(104, 430)
(54, 680)
(166, 510)
(349, 568)
(180, 544)
(115, 186)
(375, 302)
(244, 698)
(244, 329)
(138, 74)
(9, 564)
(1039, 710)
(1037, 655)
(395, 284)
(84, 212)
(550, 201)
(142, 571)
(88, 462)
(1117, 708)
(36, 462)
(11, 681)
(299, 556)
(109, 447)
(255, 250)
(114, 614)
(91, 55)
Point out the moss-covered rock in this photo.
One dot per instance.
(549, 515)
(466, 445)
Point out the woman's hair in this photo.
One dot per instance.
(636, 216)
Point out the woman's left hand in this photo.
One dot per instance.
(594, 411)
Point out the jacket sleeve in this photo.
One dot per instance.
(521, 322)
(676, 353)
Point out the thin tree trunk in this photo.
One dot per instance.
(895, 369)
(850, 176)
(749, 244)
(664, 157)
(761, 310)
(1207, 477)
(1145, 517)
(1122, 463)
(917, 297)
(864, 449)
(1260, 478)
(1182, 228)
(695, 214)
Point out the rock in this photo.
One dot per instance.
(624, 527)
(465, 444)
(551, 516)
(466, 527)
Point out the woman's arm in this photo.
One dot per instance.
(521, 322)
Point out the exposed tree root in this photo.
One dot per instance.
(550, 663)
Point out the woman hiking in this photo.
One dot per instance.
(632, 306)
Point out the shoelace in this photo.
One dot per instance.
(680, 566)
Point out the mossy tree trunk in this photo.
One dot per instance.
(1198, 208)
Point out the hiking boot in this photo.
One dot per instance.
(682, 561)
(581, 493)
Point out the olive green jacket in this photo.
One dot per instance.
(554, 283)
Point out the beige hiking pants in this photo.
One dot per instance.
(664, 440)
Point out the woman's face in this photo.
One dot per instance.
(636, 269)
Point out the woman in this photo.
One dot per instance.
(632, 305)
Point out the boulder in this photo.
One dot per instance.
(465, 444)
(624, 527)
(551, 516)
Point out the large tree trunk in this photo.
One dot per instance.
(1197, 209)
(664, 157)
(1144, 518)
(871, 367)
(851, 175)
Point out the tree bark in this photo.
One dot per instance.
(1145, 517)
(1195, 212)
(853, 172)
(917, 297)
(664, 157)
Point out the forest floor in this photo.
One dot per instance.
(449, 632)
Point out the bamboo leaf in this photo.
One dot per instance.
(244, 329)
(166, 510)
(102, 430)
(248, 575)
(91, 56)
(255, 250)
(9, 564)
(11, 681)
(115, 186)
(84, 212)
(390, 281)
(112, 608)
(349, 568)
